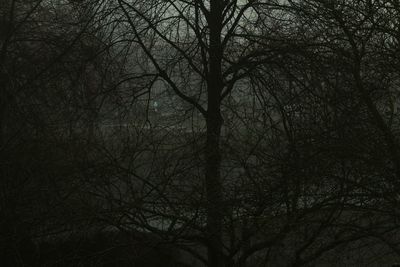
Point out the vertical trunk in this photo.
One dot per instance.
(212, 147)
(214, 190)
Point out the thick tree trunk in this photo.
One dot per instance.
(214, 188)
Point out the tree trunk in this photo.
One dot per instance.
(213, 181)
(214, 190)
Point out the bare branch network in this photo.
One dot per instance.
(221, 133)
